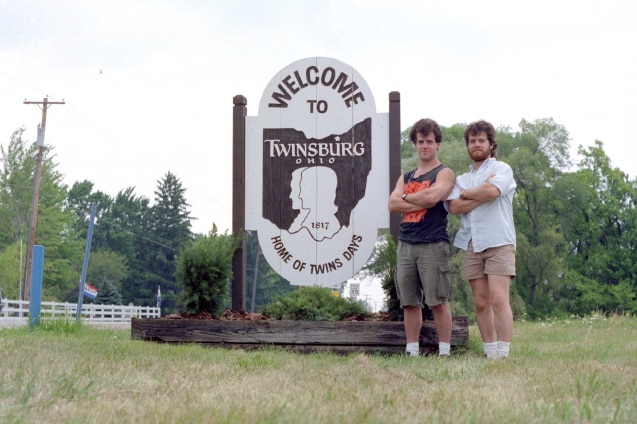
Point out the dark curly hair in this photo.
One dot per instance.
(476, 128)
(425, 126)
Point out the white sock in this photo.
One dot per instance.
(444, 348)
(503, 349)
(490, 350)
(413, 349)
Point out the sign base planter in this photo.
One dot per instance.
(381, 337)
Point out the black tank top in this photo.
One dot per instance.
(429, 225)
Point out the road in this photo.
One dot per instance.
(101, 325)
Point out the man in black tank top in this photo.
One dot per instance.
(423, 271)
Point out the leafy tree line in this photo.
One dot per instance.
(134, 243)
(576, 226)
(576, 223)
(135, 248)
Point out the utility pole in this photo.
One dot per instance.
(33, 225)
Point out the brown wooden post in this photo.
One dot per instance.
(394, 156)
(239, 201)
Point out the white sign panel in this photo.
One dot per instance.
(317, 172)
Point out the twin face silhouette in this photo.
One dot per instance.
(300, 192)
(307, 186)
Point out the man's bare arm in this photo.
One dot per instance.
(397, 203)
(438, 191)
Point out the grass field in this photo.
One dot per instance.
(564, 371)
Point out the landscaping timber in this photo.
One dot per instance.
(384, 337)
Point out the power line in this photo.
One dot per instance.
(204, 199)
(112, 224)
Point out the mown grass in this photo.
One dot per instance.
(564, 371)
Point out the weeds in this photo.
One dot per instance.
(59, 325)
(575, 370)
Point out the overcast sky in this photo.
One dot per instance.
(148, 84)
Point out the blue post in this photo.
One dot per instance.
(35, 297)
(87, 254)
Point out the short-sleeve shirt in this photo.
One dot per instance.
(427, 225)
(491, 223)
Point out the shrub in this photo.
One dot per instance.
(108, 294)
(204, 269)
(578, 295)
(313, 304)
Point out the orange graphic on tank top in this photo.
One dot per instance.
(414, 187)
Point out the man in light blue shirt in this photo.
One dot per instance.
(484, 199)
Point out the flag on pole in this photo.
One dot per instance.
(90, 291)
(158, 297)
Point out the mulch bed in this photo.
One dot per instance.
(229, 315)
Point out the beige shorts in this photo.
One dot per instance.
(493, 261)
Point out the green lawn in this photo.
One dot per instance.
(565, 371)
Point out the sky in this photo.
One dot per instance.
(148, 84)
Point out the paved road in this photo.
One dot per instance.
(114, 325)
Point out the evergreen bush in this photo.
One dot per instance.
(107, 294)
(204, 269)
(313, 304)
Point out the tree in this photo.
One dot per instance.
(106, 265)
(615, 213)
(107, 294)
(64, 249)
(120, 239)
(125, 229)
(16, 188)
(11, 271)
(170, 231)
(553, 140)
(597, 215)
(535, 155)
(170, 211)
(55, 230)
(127, 224)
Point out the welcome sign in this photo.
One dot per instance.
(317, 172)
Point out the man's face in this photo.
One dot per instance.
(478, 147)
(426, 146)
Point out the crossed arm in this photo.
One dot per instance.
(423, 199)
(474, 197)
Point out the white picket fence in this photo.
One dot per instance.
(18, 311)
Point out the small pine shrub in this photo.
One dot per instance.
(204, 269)
(313, 304)
(108, 294)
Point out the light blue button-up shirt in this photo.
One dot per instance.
(491, 223)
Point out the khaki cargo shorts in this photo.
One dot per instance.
(423, 271)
